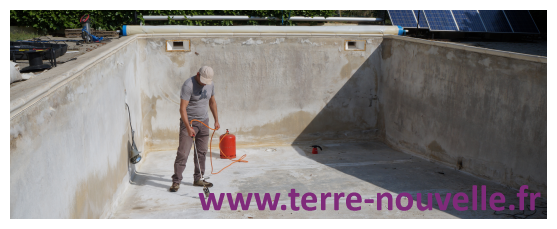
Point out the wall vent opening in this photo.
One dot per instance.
(355, 45)
(178, 46)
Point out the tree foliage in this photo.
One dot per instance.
(55, 20)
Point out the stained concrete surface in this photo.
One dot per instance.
(268, 89)
(69, 149)
(367, 168)
(80, 151)
(483, 113)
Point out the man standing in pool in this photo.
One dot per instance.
(197, 94)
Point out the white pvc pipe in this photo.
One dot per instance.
(358, 19)
(247, 18)
(262, 30)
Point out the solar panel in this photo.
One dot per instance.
(440, 20)
(404, 18)
(468, 21)
(423, 21)
(521, 21)
(495, 21)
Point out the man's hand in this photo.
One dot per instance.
(190, 130)
(213, 107)
(184, 116)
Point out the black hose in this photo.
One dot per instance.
(133, 144)
(133, 132)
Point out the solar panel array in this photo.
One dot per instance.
(468, 21)
(419, 14)
(440, 20)
(404, 18)
(521, 21)
(493, 21)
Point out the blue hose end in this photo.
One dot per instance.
(124, 31)
(401, 31)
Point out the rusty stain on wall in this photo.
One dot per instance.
(93, 194)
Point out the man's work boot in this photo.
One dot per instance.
(202, 183)
(175, 186)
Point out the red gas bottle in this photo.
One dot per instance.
(227, 146)
(314, 151)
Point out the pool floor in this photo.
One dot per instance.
(366, 168)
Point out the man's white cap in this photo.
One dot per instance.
(206, 75)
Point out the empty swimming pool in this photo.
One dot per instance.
(393, 114)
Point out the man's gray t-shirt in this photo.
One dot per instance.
(198, 96)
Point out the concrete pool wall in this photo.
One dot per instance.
(70, 134)
(69, 142)
(268, 89)
(484, 113)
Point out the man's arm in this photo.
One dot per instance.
(184, 115)
(213, 107)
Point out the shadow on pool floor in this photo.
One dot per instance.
(366, 168)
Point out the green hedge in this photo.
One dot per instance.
(46, 21)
